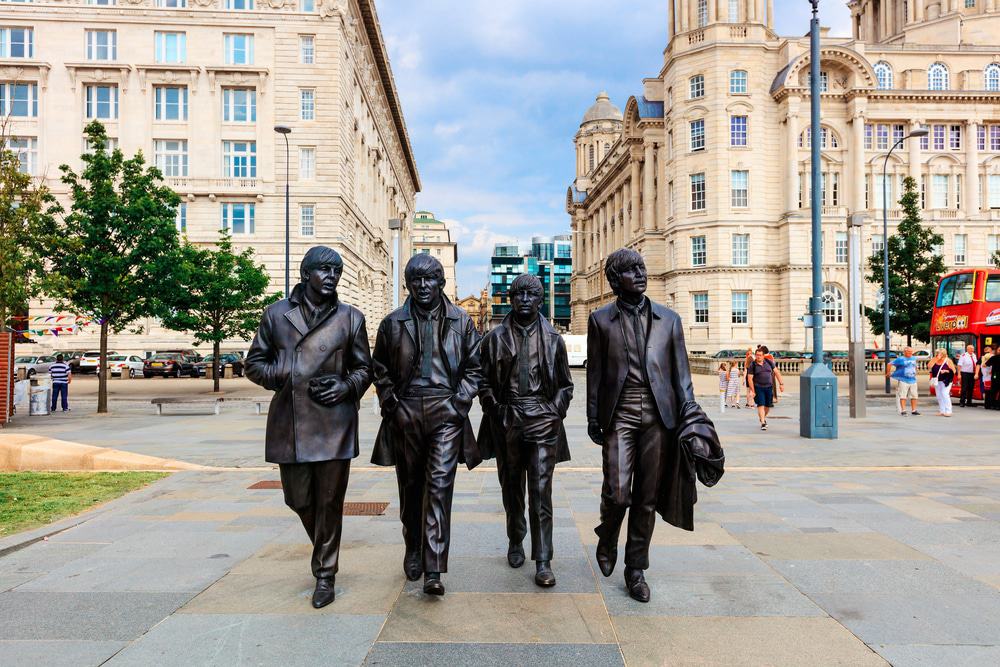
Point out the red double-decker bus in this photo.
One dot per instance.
(967, 312)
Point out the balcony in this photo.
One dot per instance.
(185, 185)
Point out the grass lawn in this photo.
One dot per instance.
(32, 499)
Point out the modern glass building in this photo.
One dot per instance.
(551, 259)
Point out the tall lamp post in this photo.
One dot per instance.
(817, 385)
(885, 244)
(284, 130)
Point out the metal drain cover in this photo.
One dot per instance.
(365, 509)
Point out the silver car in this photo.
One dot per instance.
(34, 364)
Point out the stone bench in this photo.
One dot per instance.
(258, 402)
(215, 402)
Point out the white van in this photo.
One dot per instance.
(576, 349)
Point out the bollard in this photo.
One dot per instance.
(227, 371)
(209, 371)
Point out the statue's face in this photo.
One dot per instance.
(322, 281)
(425, 289)
(526, 303)
(633, 280)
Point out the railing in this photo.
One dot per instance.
(212, 184)
(696, 37)
(839, 365)
(738, 31)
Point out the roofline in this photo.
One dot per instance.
(370, 17)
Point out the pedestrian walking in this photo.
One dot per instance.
(733, 387)
(761, 375)
(723, 385)
(992, 365)
(984, 377)
(968, 366)
(61, 375)
(942, 377)
(746, 379)
(904, 371)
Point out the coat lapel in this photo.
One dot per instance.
(297, 319)
(407, 319)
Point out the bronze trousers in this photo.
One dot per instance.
(315, 491)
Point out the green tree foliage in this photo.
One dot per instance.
(915, 268)
(26, 212)
(218, 295)
(996, 259)
(118, 246)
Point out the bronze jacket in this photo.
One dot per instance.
(499, 361)
(285, 355)
(395, 361)
(607, 363)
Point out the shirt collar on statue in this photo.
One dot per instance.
(525, 331)
(629, 309)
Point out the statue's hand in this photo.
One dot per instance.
(329, 392)
(596, 433)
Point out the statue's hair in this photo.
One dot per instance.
(423, 264)
(527, 282)
(317, 256)
(618, 262)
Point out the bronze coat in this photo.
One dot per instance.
(395, 361)
(499, 361)
(285, 355)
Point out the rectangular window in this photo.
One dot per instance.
(239, 159)
(700, 300)
(239, 49)
(961, 241)
(955, 137)
(307, 49)
(307, 6)
(698, 192)
(17, 43)
(171, 47)
(741, 249)
(696, 86)
(834, 190)
(878, 245)
(181, 219)
(737, 130)
(19, 100)
(994, 138)
(172, 4)
(26, 150)
(981, 137)
(734, 11)
(840, 248)
(698, 134)
(883, 191)
(239, 5)
(101, 102)
(937, 134)
(238, 218)
(307, 163)
(958, 191)
(993, 185)
(307, 220)
(898, 132)
(741, 308)
(824, 82)
(882, 137)
(102, 3)
(738, 82)
(992, 245)
(739, 188)
(170, 103)
(939, 190)
(699, 251)
(869, 134)
(307, 104)
(102, 45)
(171, 157)
(239, 105)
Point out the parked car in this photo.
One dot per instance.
(788, 354)
(170, 364)
(225, 358)
(129, 364)
(729, 354)
(90, 362)
(34, 364)
(72, 357)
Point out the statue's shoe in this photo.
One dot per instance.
(412, 566)
(515, 555)
(432, 584)
(324, 593)
(635, 581)
(543, 574)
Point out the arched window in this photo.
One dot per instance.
(991, 77)
(937, 77)
(702, 13)
(883, 72)
(833, 304)
(827, 139)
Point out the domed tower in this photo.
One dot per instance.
(691, 15)
(600, 129)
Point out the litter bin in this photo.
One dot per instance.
(41, 397)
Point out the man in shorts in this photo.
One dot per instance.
(761, 374)
(904, 371)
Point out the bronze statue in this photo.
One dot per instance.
(641, 410)
(426, 365)
(525, 393)
(312, 351)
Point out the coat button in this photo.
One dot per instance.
(322, 348)
(298, 349)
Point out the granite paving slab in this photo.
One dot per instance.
(57, 653)
(837, 546)
(149, 575)
(953, 655)
(406, 654)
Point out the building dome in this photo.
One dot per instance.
(602, 109)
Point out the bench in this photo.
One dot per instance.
(258, 402)
(215, 402)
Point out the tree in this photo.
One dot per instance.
(26, 212)
(915, 267)
(996, 259)
(118, 246)
(218, 295)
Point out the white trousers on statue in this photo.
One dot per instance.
(943, 393)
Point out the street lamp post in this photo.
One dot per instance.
(284, 130)
(885, 244)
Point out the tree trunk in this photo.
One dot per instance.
(217, 363)
(102, 376)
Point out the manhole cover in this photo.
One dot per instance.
(365, 509)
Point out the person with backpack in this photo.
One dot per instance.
(761, 375)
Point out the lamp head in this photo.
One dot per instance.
(282, 129)
(922, 132)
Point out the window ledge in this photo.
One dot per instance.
(98, 71)
(14, 69)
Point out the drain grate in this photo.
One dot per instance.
(365, 509)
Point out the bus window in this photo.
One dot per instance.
(946, 292)
(993, 288)
(963, 289)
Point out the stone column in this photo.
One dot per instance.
(770, 14)
(711, 11)
(918, 10)
(627, 226)
(971, 194)
(634, 194)
(681, 11)
(670, 21)
(660, 212)
(858, 162)
(792, 155)
(723, 11)
(751, 6)
(648, 189)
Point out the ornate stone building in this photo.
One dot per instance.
(197, 86)
(708, 175)
(433, 237)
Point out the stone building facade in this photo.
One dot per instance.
(432, 236)
(708, 175)
(198, 86)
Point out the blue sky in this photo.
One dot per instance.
(494, 90)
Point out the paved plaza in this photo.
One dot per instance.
(878, 548)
